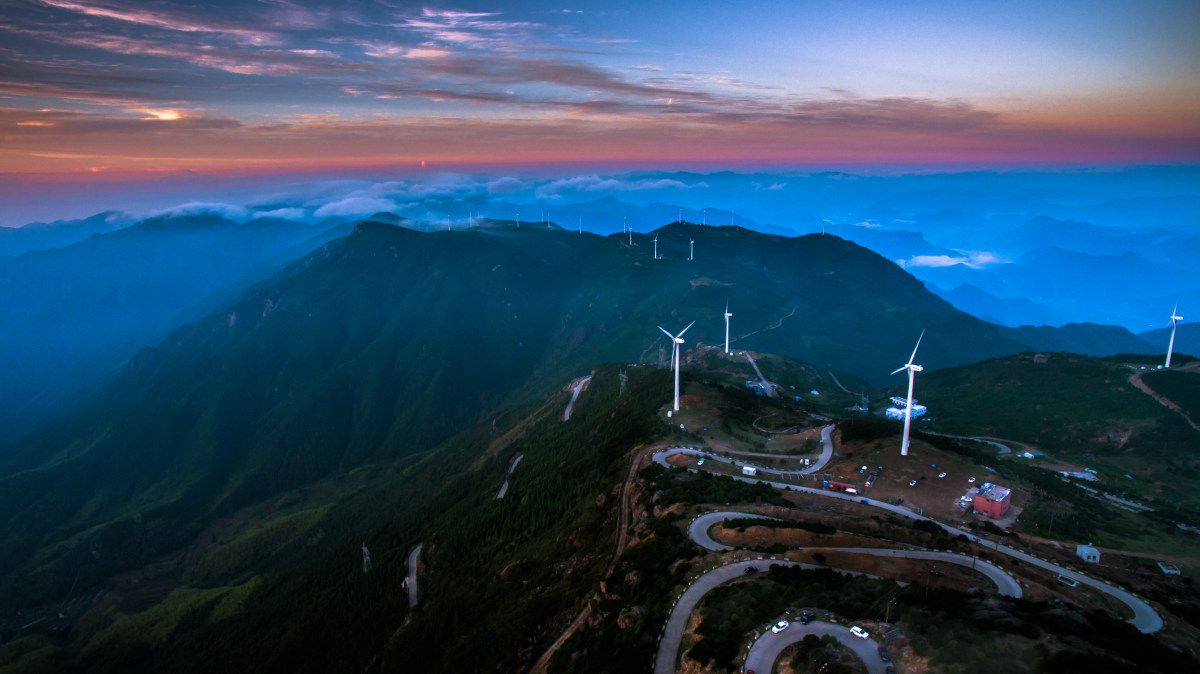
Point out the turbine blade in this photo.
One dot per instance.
(685, 329)
(912, 357)
(667, 333)
(898, 369)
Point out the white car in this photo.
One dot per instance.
(941, 475)
(912, 483)
(700, 462)
(859, 632)
(780, 626)
(971, 480)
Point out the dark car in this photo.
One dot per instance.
(751, 569)
(883, 654)
(806, 618)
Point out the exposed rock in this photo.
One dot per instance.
(630, 617)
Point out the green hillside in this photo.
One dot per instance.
(388, 341)
(291, 574)
(1076, 409)
(281, 587)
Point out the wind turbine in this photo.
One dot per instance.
(912, 370)
(677, 339)
(655, 246)
(1170, 346)
(691, 249)
(727, 315)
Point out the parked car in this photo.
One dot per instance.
(700, 462)
(884, 655)
(751, 569)
(859, 632)
(806, 618)
(941, 475)
(971, 480)
(912, 483)
(780, 626)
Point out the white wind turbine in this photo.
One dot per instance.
(691, 249)
(727, 315)
(655, 246)
(1171, 345)
(677, 339)
(912, 370)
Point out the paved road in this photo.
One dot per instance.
(1001, 448)
(511, 467)
(765, 651)
(1005, 584)
(575, 394)
(826, 454)
(1145, 618)
(413, 558)
(768, 388)
(668, 647)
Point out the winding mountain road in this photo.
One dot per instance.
(1145, 618)
(414, 558)
(579, 384)
(768, 388)
(668, 646)
(1006, 585)
(511, 467)
(766, 649)
(826, 454)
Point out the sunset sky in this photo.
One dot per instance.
(141, 87)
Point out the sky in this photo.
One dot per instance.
(104, 89)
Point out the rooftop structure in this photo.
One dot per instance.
(1169, 569)
(992, 500)
(898, 412)
(1088, 554)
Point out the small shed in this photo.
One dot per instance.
(1088, 554)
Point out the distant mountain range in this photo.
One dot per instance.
(73, 314)
(43, 235)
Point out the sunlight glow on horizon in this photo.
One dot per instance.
(86, 85)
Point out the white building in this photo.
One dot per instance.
(898, 412)
(1088, 554)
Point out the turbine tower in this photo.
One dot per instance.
(727, 315)
(655, 246)
(912, 371)
(1171, 345)
(691, 249)
(677, 339)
